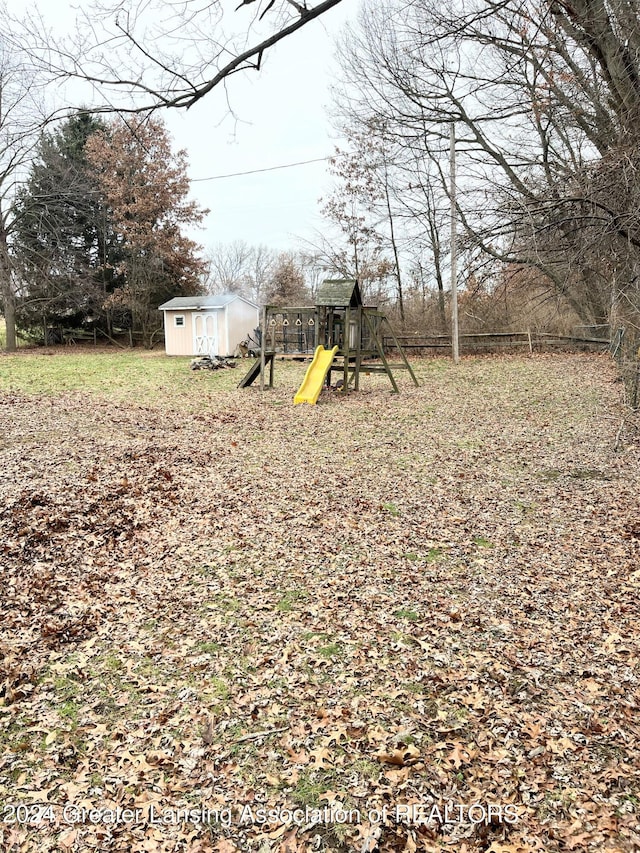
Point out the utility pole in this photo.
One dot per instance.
(454, 247)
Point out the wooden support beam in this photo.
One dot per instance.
(346, 335)
(375, 337)
(263, 344)
(380, 368)
(401, 351)
(356, 372)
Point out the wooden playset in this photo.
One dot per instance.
(339, 331)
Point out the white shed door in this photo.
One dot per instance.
(205, 334)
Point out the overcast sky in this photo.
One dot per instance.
(281, 118)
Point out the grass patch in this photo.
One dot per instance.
(218, 687)
(208, 647)
(406, 613)
(332, 650)
(223, 604)
(308, 790)
(69, 711)
(289, 599)
(139, 378)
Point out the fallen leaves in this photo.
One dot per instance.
(219, 599)
(402, 757)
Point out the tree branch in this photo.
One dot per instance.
(173, 96)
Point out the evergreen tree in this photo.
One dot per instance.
(65, 247)
(99, 228)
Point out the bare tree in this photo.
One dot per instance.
(141, 56)
(238, 267)
(312, 264)
(336, 258)
(287, 283)
(424, 216)
(227, 267)
(362, 203)
(545, 97)
(21, 118)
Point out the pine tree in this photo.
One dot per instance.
(65, 246)
(99, 227)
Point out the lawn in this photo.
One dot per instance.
(384, 623)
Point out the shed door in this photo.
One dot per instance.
(205, 334)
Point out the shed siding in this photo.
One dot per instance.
(242, 319)
(223, 333)
(178, 340)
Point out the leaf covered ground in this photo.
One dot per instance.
(387, 622)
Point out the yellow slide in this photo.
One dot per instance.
(311, 386)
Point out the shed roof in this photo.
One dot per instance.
(219, 300)
(339, 292)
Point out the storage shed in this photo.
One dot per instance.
(207, 325)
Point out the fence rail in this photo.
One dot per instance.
(490, 341)
(625, 348)
(120, 337)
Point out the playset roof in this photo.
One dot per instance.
(339, 293)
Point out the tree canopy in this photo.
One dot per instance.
(100, 238)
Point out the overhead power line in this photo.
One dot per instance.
(258, 171)
(211, 178)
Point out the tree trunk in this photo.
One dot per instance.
(6, 290)
(9, 303)
(442, 311)
(394, 243)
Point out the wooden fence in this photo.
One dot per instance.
(122, 338)
(625, 348)
(499, 341)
